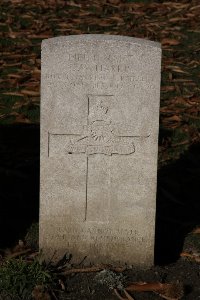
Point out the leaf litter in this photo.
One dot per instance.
(175, 24)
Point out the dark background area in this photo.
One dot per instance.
(178, 205)
(19, 181)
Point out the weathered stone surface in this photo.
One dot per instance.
(99, 131)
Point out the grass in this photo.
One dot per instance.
(18, 278)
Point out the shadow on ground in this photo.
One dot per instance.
(178, 205)
(178, 208)
(19, 181)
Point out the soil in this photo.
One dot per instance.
(89, 286)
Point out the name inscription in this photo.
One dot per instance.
(98, 75)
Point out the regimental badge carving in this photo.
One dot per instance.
(99, 135)
(100, 138)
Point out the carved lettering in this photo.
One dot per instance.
(100, 80)
(103, 235)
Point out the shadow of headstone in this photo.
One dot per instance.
(19, 180)
(178, 205)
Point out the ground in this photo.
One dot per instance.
(176, 25)
(88, 286)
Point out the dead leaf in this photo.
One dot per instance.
(176, 19)
(174, 118)
(17, 76)
(19, 118)
(170, 291)
(118, 295)
(115, 2)
(39, 36)
(39, 293)
(72, 3)
(171, 42)
(195, 7)
(20, 253)
(192, 256)
(177, 69)
(83, 270)
(12, 65)
(30, 93)
(168, 88)
(13, 94)
(196, 230)
(174, 291)
(129, 297)
(145, 287)
(61, 284)
(181, 100)
(181, 143)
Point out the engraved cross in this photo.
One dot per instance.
(99, 136)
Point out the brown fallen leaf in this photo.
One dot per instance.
(196, 230)
(180, 144)
(39, 293)
(115, 2)
(12, 65)
(118, 295)
(174, 118)
(19, 118)
(179, 70)
(83, 270)
(171, 42)
(176, 19)
(13, 94)
(26, 67)
(176, 69)
(195, 7)
(61, 284)
(181, 100)
(169, 291)
(168, 88)
(145, 287)
(92, 269)
(20, 253)
(36, 73)
(16, 1)
(30, 93)
(182, 80)
(174, 291)
(14, 76)
(192, 256)
(72, 3)
(39, 36)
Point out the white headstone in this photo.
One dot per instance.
(99, 141)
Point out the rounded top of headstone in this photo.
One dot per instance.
(100, 38)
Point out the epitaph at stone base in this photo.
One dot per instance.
(99, 244)
(99, 134)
